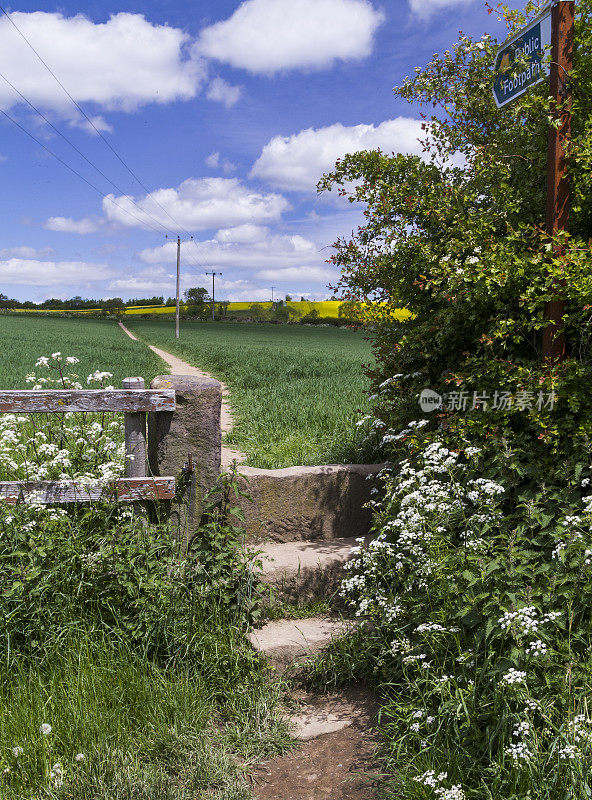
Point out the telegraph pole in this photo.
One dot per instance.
(562, 46)
(272, 288)
(178, 285)
(213, 274)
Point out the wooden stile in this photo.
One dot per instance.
(134, 401)
(61, 400)
(124, 490)
(135, 436)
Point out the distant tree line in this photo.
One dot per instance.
(78, 303)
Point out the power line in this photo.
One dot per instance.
(91, 163)
(74, 147)
(90, 121)
(65, 164)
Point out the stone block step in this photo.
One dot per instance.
(303, 571)
(286, 641)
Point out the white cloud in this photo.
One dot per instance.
(223, 92)
(247, 253)
(242, 234)
(25, 252)
(120, 64)
(69, 225)
(213, 161)
(32, 272)
(160, 281)
(99, 125)
(297, 162)
(244, 249)
(425, 8)
(197, 204)
(266, 36)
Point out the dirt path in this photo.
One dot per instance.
(330, 766)
(179, 367)
(337, 732)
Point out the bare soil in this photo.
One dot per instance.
(334, 766)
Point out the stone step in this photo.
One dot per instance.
(286, 641)
(329, 713)
(303, 571)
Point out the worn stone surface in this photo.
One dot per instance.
(308, 503)
(328, 713)
(285, 641)
(194, 427)
(303, 571)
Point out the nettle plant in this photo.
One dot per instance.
(480, 631)
(85, 447)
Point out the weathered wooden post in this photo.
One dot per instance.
(135, 436)
(193, 429)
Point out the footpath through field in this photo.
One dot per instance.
(337, 731)
(179, 367)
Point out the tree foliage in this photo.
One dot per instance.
(457, 236)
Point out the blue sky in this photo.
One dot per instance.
(228, 113)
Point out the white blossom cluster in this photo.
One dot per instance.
(61, 447)
(421, 504)
(519, 752)
(526, 620)
(537, 648)
(513, 676)
(434, 781)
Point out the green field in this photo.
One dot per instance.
(99, 344)
(295, 391)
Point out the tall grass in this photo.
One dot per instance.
(296, 392)
(142, 731)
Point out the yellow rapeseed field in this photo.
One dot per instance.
(325, 308)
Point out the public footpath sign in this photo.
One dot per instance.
(528, 47)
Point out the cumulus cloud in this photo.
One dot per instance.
(223, 92)
(93, 125)
(246, 249)
(425, 8)
(297, 162)
(33, 272)
(213, 161)
(197, 204)
(160, 281)
(120, 64)
(267, 36)
(293, 274)
(69, 225)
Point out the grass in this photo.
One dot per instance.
(99, 344)
(296, 392)
(144, 731)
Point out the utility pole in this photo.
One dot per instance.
(272, 288)
(213, 274)
(178, 285)
(562, 46)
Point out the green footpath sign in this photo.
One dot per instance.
(529, 47)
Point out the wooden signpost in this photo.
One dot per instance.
(529, 45)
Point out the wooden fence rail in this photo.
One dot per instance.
(134, 401)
